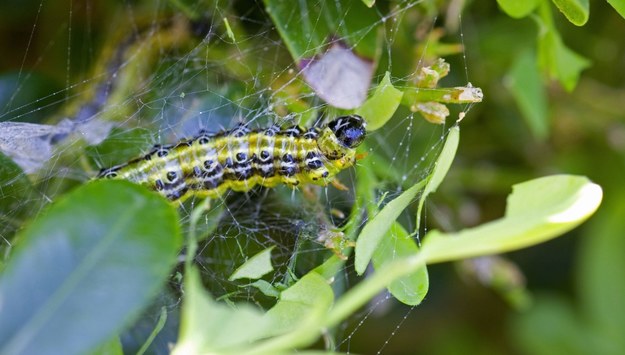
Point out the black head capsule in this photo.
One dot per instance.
(349, 130)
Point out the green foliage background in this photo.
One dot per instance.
(536, 119)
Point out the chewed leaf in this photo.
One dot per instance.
(100, 254)
(339, 76)
(433, 112)
(255, 267)
(428, 76)
(397, 244)
(380, 107)
(537, 211)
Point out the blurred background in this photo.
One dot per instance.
(565, 296)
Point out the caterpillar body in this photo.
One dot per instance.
(209, 165)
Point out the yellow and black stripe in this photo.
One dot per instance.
(211, 164)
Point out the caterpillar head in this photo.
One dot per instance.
(341, 136)
(349, 130)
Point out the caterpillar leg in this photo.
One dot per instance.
(309, 193)
(339, 185)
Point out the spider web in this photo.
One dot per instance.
(139, 74)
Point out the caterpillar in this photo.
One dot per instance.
(209, 165)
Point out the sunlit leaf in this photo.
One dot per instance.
(255, 267)
(576, 11)
(85, 268)
(537, 211)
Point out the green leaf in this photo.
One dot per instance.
(160, 324)
(409, 289)
(119, 147)
(307, 26)
(441, 167)
(602, 250)
(16, 188)
(303, 303)
(255, 267)
(524, 81)
(16, 201)
(369, 3)
(211, 327)
(537, 210)
(335, 44)
(111, 347)
(380, 107)
(85, 268)
(229, 30)
(576, 11)
(518, 8)
(266, 288)
(619, 6)
(559, 61)
(373, 232)
(551, 327)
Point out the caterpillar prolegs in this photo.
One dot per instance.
(208, 165)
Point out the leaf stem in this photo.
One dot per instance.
(367, 289)
(456, 95)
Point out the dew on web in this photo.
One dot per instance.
(161, 77)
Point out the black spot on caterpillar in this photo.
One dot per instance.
(209, 165)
